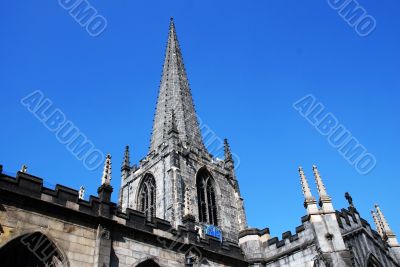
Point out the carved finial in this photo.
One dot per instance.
(24, 168)
(309, 203)
(320, 183)
(349, 199)
(325, 200)
(106, 178)
(82, 192)
(304, 184)
(378, 224)
(126, 164)
(382, 219)
(227, 151)
(388, 233)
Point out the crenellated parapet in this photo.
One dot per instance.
(27, 192)
(260, 248)
(358, 233)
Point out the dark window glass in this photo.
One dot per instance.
(147, 197)
(206, 199)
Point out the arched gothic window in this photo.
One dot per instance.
(206, 198)
(147, 197)
(34, 249)
(373, 261)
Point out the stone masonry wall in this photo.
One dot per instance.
(292, 250)
(75, 241)
(96, 233)
(173, 173)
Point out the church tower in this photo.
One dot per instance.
(179, 178)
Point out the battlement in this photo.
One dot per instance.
(351, 223)
(28, 192)
(259, 246)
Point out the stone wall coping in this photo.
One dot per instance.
(274, 240)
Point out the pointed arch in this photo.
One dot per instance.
(32, 249)
(148, 263)
(206, 197)
(372, 261)
(147, 196)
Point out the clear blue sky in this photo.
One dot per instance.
(247, 62)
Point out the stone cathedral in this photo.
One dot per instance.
(179, 206)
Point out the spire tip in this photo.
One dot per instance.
(314, 167)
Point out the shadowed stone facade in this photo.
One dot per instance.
(178, 207)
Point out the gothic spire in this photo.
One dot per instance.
(175, 95)
(106, 178)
